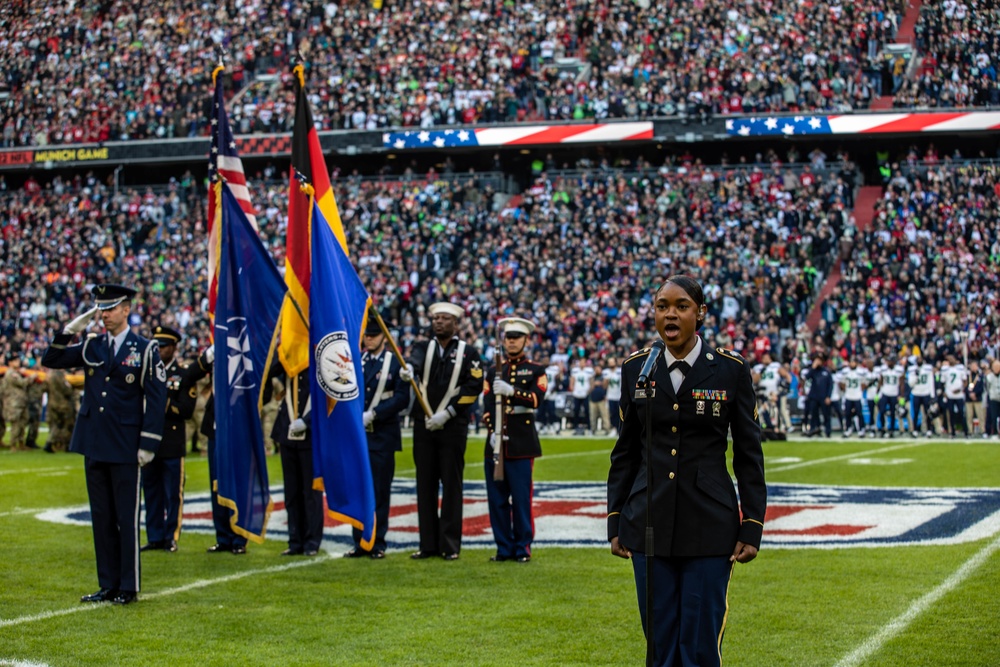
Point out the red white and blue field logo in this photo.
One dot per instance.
(573, 514)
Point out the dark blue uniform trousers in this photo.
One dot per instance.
(383, 465)
(689, 608)
(113, 489)
(510, 507)
(163, 489)
(224, 533)
(303, 504)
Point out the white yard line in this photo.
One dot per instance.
(38, 470)
(844, 457)
(17, 511)
(201, 583)
(874, 644)
(5, 662)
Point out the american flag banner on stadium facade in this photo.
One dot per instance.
(224, 164)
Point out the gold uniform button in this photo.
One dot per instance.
(673, 452)
(101, 409)
(104, 393)
(673, 429)
(676, 407)
(107, 379)
(671, 475)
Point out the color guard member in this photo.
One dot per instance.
(118, 430)
(521, 386)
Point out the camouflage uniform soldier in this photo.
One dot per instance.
(36, 391)
(199, 442)
(269, 414)
(14, 389)
(62, 411)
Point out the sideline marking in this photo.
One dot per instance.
(844, 457)
(9, 622)
(36, 470)
(875, 643)
(4, 662)
(27, 510)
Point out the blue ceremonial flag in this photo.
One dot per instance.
(338, 309)
(251, 293)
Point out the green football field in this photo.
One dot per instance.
(925, 595)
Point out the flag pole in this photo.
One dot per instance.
(402, 362)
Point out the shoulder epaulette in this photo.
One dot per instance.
(636, 355)
(729, 354)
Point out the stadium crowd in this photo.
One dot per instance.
(959, 46)
(578, 252)
(79, 72)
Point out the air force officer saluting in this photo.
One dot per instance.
(118, 430)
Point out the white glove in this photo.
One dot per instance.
(437, 420)
(494, 443)
(80, 322)
(210, 353)
(368, 417)
(297, 427)
(501, 388)
(406, 373)
(145, 456)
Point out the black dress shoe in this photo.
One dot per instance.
(124, 597)
(523, 559)
(310, 552)
(49, 450)
(452, 556)
(219, 549)
(421, 555)
(151, 546)
(291, 552)
(103, 595)
(499, 559)
(356, 553)
(170, 545)
(239, 551)
(378, 555)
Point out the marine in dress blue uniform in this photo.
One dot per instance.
(292, 432)
(118, 429)
(386, 396)
(163, 477)
(450, 373)
(521, 387)
(700, 527)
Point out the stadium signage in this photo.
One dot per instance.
(72, 155)
(573, 514)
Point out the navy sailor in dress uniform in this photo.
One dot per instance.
(163, 477)
(386, 396)
(521, 386)
(450, 373)
(700, 528)
(118, 430)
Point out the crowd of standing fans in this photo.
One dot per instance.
(93, 72)
(578, 252)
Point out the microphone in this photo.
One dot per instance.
(647, 367)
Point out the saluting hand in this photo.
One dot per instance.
(618, 550)
(743, 553)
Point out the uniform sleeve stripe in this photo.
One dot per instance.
(151, 436)
(754, 521)
(612, 514)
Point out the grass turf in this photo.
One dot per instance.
(568, 607)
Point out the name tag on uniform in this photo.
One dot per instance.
(641, 393)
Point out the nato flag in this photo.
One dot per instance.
(251, 293)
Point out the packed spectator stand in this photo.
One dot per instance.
(84, 72)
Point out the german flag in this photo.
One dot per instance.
(308, 174)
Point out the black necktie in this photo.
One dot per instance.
(681, 365)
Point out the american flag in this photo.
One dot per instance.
(224, 164)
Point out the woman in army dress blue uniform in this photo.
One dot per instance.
(698, 396)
